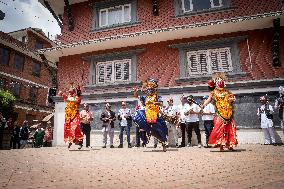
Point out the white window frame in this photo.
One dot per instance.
(191, 5)
(107, 14)
(208, 59)
(113, 76)
(216, 6)
(183, 6)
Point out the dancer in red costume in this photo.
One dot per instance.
(72, 131)
(224, 131)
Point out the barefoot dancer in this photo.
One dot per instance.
(72, 131)
(224, 131)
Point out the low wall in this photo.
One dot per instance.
(244, 136)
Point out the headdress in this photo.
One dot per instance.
(151, 82)
(218, 79)
(219, 75)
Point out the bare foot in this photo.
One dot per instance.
(221, 149)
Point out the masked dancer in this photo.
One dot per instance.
(149, 119)
(224, 131)
(72, 131)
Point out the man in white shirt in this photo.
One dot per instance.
(207, 117)
(193, 121)
(183, 110)
(124, 116)
(265, 112)
(171, 112)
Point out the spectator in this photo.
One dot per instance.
(85, 123)
(171, 115)
(38, 137)
(24, 134)
(108, 118)
(48, 136)
(16, 136)
(140, 133)
(265, 113)
(207, 117)
(183, 109)
(193, 121)
(124, 116)
(10, 127)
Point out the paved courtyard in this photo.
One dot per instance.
(251, 166)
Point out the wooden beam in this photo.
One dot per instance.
(69, 16)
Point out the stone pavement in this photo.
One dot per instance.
(251, 166)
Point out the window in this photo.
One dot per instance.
(3, 83)
(33, 94)
(19, 62)
(209, 61)
(36, 69)
(38, 45)
(4, 56)
(115, 15)
(199, 5)
(16, 88)
(113, 71)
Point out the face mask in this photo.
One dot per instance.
(220, 84)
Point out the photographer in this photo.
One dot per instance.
(266, 119)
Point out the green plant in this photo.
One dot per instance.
(7, 101)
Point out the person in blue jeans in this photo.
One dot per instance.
(207, 117)
(124, 116)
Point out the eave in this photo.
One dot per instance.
(236, 24)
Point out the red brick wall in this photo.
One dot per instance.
(32, 38)
(83, 17)
(162, 62)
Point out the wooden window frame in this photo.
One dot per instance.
(113, 75)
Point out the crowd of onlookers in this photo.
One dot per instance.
(23, 136)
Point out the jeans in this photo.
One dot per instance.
(127, 130)
(86, 129)
(183, 126)
(195, 126)
(107, 130)
(208, 126)
(137, 136)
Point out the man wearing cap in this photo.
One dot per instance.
(108, 118)
(124, 116)
(207, 117)
(193, 120)
(85, 123)
(265, 113)
(171, 112)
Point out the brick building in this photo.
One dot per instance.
(110, 46)
(25, 74)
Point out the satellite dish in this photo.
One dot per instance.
(2, 15)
